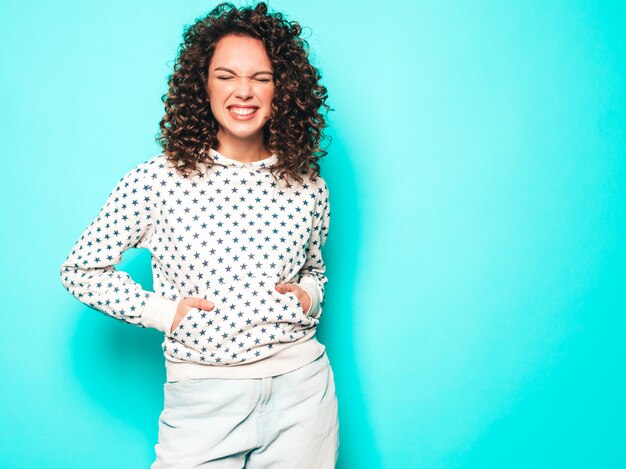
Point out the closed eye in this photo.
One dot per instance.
(262, 80)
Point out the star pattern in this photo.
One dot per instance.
(228, 235)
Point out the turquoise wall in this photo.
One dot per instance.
(476, 257)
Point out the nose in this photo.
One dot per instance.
(244, 88)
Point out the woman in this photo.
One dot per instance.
(235, 214)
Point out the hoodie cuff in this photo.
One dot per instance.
(309, 285)
(159, 313)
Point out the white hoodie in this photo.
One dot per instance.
(228, 236)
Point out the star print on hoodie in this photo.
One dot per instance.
(228, 235)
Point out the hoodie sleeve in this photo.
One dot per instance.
(312, 273)
(88, 272)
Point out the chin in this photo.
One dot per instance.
(239, 134)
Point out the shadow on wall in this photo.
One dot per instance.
(357, 446)
(121, 366)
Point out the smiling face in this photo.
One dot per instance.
(240, 87)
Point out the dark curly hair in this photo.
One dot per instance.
(189, 129)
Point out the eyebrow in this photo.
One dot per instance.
(230, 71)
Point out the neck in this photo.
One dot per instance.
(245, 151)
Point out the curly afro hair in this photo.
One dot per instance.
(189, 129)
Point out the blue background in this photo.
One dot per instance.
(476, 254)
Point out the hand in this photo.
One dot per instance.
(185, 305)
(301, 294)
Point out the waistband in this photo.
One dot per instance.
(288, 358)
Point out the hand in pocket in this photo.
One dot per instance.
(185, 305)
(301, 294)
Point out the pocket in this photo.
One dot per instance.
(184, 328)
(296, 301)
(183, 383)
(249, 316)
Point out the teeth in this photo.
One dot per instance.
(242, 111)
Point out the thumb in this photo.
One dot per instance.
(284, 287)
(200, 303)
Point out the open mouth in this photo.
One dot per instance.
(242, 113)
